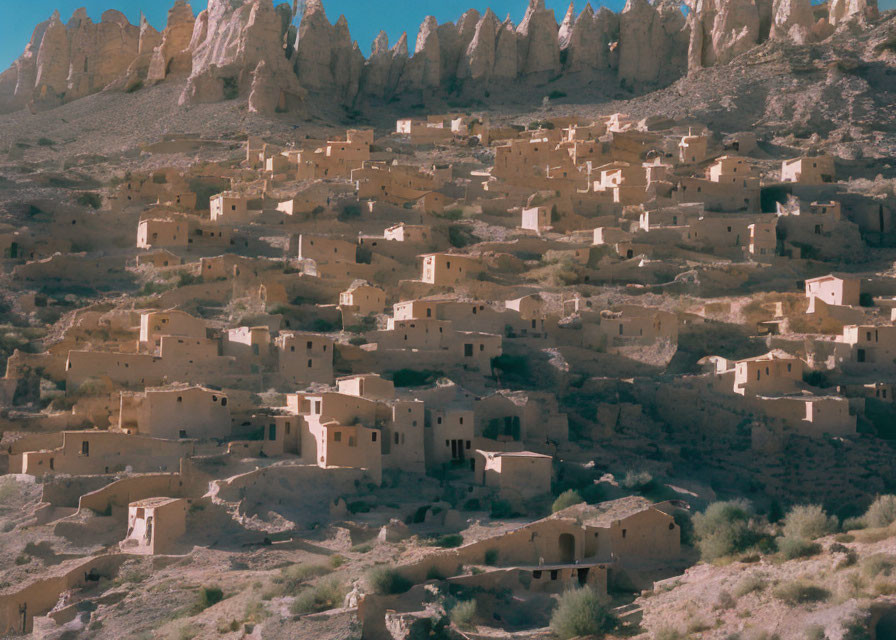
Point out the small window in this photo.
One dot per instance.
(182, 434)
(85, 448)
(337, 436)
(272, 432)
(624, 531)
(223, 402)
(180, 398)
(373, 436)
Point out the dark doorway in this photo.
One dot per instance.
(567, 544)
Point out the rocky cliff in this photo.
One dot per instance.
(274, 57)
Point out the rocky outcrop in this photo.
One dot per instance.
(425, 67)
(252, 49)
(721, 30)
(174, 55)
(538, 49)
(651, 41)
(585, 40)
(843, 11)
(225, 63)
(792, 20)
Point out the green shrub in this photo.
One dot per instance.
(566, 499)
(723, 529)
(451, 214)
(387, 581)
(459, 236)
(749, 584)
(209, 596)
(580, 612)
(448, 541)
(882, 512)
(853, 524)
(800, 592)
(292, 578)
(350, 212)
(637, 480)
(336, 561)
(45, 142)
(463, 614)
(808, 522)
(878, 564)
(415, 378)
(89, 199)
(792, 548)
(186, 279)
(326, 594)
(685, 525)
(502, 509)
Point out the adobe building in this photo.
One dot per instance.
(809, 171)
(155, 324)
(176, 413)
(763, 240)
(449, 268)
(833, 290)
(692, 149)
(230, 207)
(775, 373)
(537, 219)
(402, 232)
(303, 358)
(514, 474)
(869, 345)
(363, 298)
(154, 526)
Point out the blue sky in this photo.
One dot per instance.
(365, 17)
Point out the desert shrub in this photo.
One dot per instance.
(792, 548)
(815, 632)
(853, 524)
(725, 600)
(448, 541)
(336, 561)
(667, 633)
(357, 341)
(186, 279)
(566, 499)
(459, 237)
(580, 612)
(637, 480)
(749, 584)
(878, 564)
(808, 522)
(414, 377)
(451, 214)
(326, 594)
(89, 199)
(463, 613)
(45, 142)
(882, 512)
(723, 529)
(387, 581)
(292, 578)
(350, 211)
(502, 509)
(800, 592)
(472, 504)
(209, 596)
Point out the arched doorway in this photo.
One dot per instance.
(567, 547)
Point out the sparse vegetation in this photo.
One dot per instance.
(798, 592)
(580, 612)
(882, 512)
(808, 522)
(463, 613)
(566, 499)
(328, 593)
(387, 581)
(725, 528)
(209, 596)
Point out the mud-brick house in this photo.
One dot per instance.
(775, 373)
(155, 525)
(514, 474)
(155, 324)
(833, 290)
(449, 268)
(809, 171)
(869, 344)
(363, 298)
(303, 358)
(176, 412)
(340, 430)
(628, 536)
